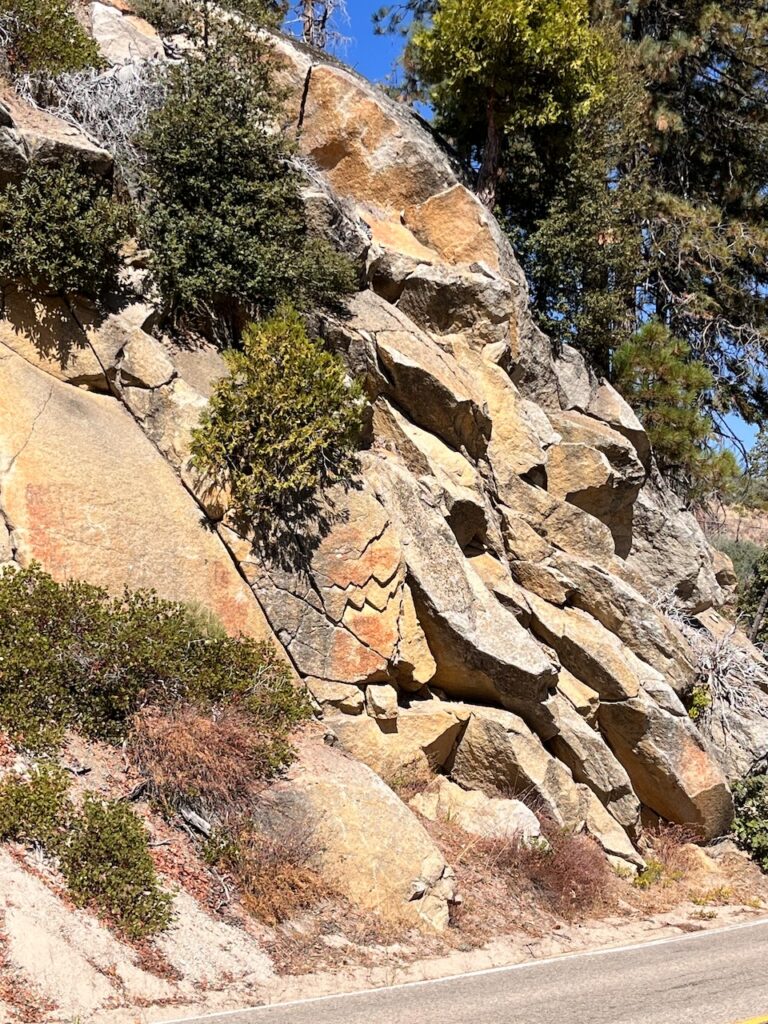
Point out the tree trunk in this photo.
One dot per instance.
(308, 21)
(759, 616)
(488, 177)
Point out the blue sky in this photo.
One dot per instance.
(373, 56)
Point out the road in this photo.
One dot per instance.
(715, 977)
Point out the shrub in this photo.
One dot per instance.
(284, 422)
(102, 849)
(272, 869)
(568, 875)
(44, 37)
(222, 211)
(36, 811)
(60, 230)
(71, 656)
(106, 862)
(750, 826)
(210, 762)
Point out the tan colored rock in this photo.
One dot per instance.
(457, 485)
(122, 36)
(543, 580)
(414, 663)
(43, 331)
(587, 649)
(583, 698)
(168, 415)
(144, 363)
(606, 404)
(499, 753)
(475, 304)
(575, 382)
(47, 139)
(367, 148)
(515, 445)
(381, 702)
(397, 359)
(344, 697)
(371, 847)
(339, 615)
(626, 612)
(421, 738)
(476, 813)
(90, 498)
(480, 648)
(668, 763)
(498, 579)
(457, 226)
(558, 523)
(584, 751)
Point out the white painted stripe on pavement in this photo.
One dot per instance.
(526, 965)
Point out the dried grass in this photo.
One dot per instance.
(212, 763)
(272, 870)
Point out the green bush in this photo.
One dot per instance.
(700, 702)
(45, 37)
(222, 211)
(36, 811)
(750, 825)
(102, 849)
(60, 230)
(106, 862)
(283, 422)
(71, 656)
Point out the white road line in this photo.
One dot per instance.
(527, 965)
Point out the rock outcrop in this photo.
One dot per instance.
(482, 601)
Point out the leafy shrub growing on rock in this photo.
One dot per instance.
(102, 849)
(285, 420)
(750, 825)
(60, 230)
(44, 36)
(71, 656)
(222, 211)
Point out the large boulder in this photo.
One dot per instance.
(476, 813)
(369, 845)
(498, 754)
(90, 497)
(413, 740)
(671, 769)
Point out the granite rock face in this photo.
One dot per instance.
(483, 600)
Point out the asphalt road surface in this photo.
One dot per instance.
(716, 977)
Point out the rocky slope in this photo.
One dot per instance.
(484, 602)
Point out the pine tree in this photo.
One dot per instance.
(669, 389)
(496, 68)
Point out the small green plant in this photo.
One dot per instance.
(106, 862)
(652, 874)
(45, 37)
(60, 230)
(750, 825)
(285, 421)
(701, 701)
(102, 849)
(73, 657)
